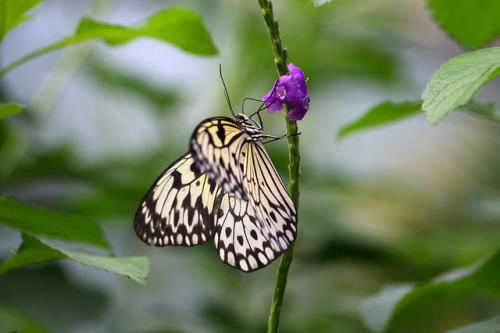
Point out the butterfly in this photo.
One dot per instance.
(226, 188)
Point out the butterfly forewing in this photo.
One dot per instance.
(178, 208)
(216, 145)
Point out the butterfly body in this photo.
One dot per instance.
(225, 187)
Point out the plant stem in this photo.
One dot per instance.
(280, 61)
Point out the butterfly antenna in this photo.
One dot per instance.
(263, 106)
(226, 94)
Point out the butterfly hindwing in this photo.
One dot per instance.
(178, 208)
(274, 210)
(238, 239)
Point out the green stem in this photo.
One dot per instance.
(30, 56)
(280, 60)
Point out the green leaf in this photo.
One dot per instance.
(487, 326)
(12, 320)
(9, 109)
(382, 114)
(135, 268)
(181, 27)
(377, 312)
(12, 14)
(43, 222)
(457, 80)
(395, 301)
(33, 251)
(487, 111)
(472, 23)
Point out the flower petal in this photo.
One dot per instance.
(298, 76)
(297, 114)
(290, 89)
(272, 102)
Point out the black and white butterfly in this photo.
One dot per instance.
(227, 188)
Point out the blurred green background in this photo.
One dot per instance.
(401, 203)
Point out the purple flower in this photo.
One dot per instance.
(290, 89)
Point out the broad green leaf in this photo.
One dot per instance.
(457, 80)
(181, 27)
(377, 312)
(381, 311)
(44, 222)
(473, 23)
(382, 114)
(12, 13)
(487, 326)
(135, 268)
(9, 109)
(12, 320)
(33, 251)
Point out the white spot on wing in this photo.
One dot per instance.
(243, 265)
(230, 259)
(253, 263)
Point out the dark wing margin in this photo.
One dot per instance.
(177, 209)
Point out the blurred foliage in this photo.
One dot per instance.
(382, 114)
(28, 218)
(34, 251)
(486, 326)
(13, 13)
(113, 79)
(16, 321)
(386, 113)
(474, 23)
(400, 308)
(9, 109)
(357, 232)
(178, 26)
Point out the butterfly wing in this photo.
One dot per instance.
(256, 219)
(275, 212)
(216, 145)
(178, 209)
(228, 186)
(238, 239)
